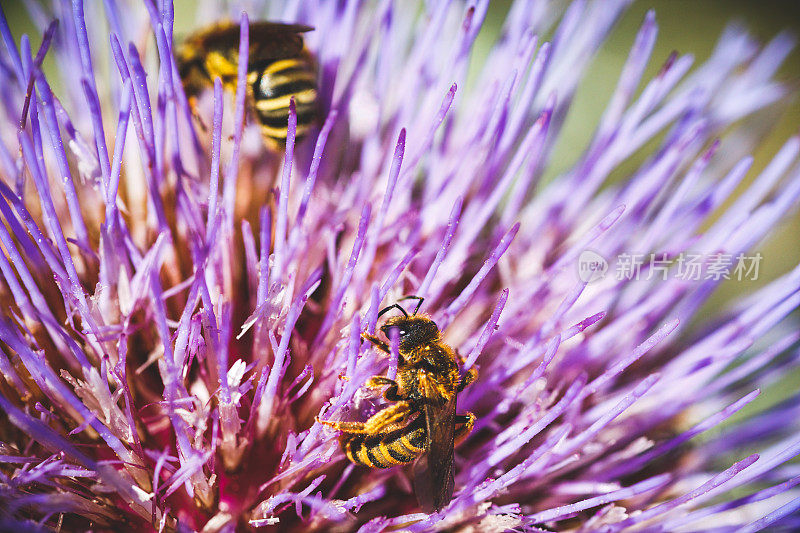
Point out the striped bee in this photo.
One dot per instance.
(421, 424)
(279, 67)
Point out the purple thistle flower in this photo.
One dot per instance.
(180, 304)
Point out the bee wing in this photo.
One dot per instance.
(433, 471)
(278, 28)
(273, 40)
(268, 40)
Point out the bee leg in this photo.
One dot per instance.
(386, 420)
(382, 346)
(192, 101)
(463, 426)
(346, 427)
(391, 394)
(389, 419)
(467, 378)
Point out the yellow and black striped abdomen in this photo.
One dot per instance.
(278, 67)
(273, 85)
(384, 451)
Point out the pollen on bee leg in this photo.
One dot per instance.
(388, 419)
(464, 424)
(346, 427)
(377, 382)
(470, 376)
(382, 346)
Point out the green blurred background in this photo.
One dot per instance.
(686, 26)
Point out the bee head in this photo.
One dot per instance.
(412, 331)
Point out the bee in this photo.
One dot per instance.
(421, 424)
(279, 67)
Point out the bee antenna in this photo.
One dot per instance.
(413, 297)
(387, 309)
